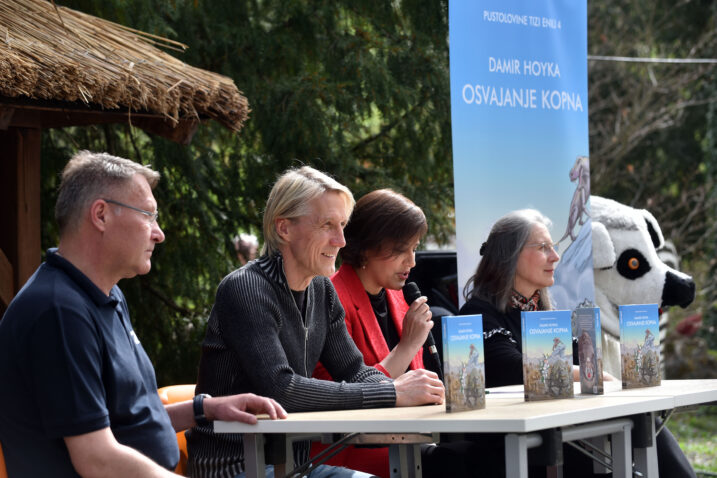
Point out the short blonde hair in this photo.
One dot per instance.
(89, 176)
(290, 198)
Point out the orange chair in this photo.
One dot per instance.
(3, 471)
(174, 394)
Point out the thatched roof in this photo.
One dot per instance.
(54, 53)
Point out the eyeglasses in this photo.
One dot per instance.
(151, 215)
(545, 247)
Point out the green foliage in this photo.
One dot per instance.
(709, 329)
(696, 432)
(357, 89)
(653, 126)
(361, 90)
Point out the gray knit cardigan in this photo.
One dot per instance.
(258, 342)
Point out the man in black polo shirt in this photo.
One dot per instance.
(78, 393)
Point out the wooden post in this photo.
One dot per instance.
(19, 208)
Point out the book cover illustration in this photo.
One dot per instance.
(463, 362)
(640, 345)
(589, 350)
(547, 354)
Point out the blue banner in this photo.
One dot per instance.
(519, 109)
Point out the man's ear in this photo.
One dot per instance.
(282, 226)
(99, 211)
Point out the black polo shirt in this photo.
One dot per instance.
(71, 364)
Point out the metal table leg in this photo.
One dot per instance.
(622, 453)
(516, 453)
(405, 461)
(254, 463)
(646, 458)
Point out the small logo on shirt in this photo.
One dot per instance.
(134, 337)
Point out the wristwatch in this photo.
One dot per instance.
(199, 417)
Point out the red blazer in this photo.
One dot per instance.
(361, 321)
(363, 327)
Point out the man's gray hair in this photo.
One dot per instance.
(290, 198)
(89, 176)
(495, 276)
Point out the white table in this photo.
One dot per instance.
(506, 412)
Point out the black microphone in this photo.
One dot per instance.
(411, 292)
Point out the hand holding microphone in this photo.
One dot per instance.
(417, 323)
(411, 293)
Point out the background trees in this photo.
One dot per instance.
(653, 128)
(360, 89)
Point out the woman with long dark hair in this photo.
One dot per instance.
(516, 268)
(517, 264)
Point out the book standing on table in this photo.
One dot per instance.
(640, 345)
(547, 354)
(464, 366)
(587, 322)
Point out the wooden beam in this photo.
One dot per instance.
(181, 133)
(7, 282)
(6, 114)
(26, 116)
(20, 202)
(55, 114)
(29, 250)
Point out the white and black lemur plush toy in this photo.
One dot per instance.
(627, 269)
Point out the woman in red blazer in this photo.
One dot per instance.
(381, 240)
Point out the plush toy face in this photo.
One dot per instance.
(627, 270)
(637, 276)
(627, 267)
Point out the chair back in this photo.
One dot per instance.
(3, 471)
(175, 394)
